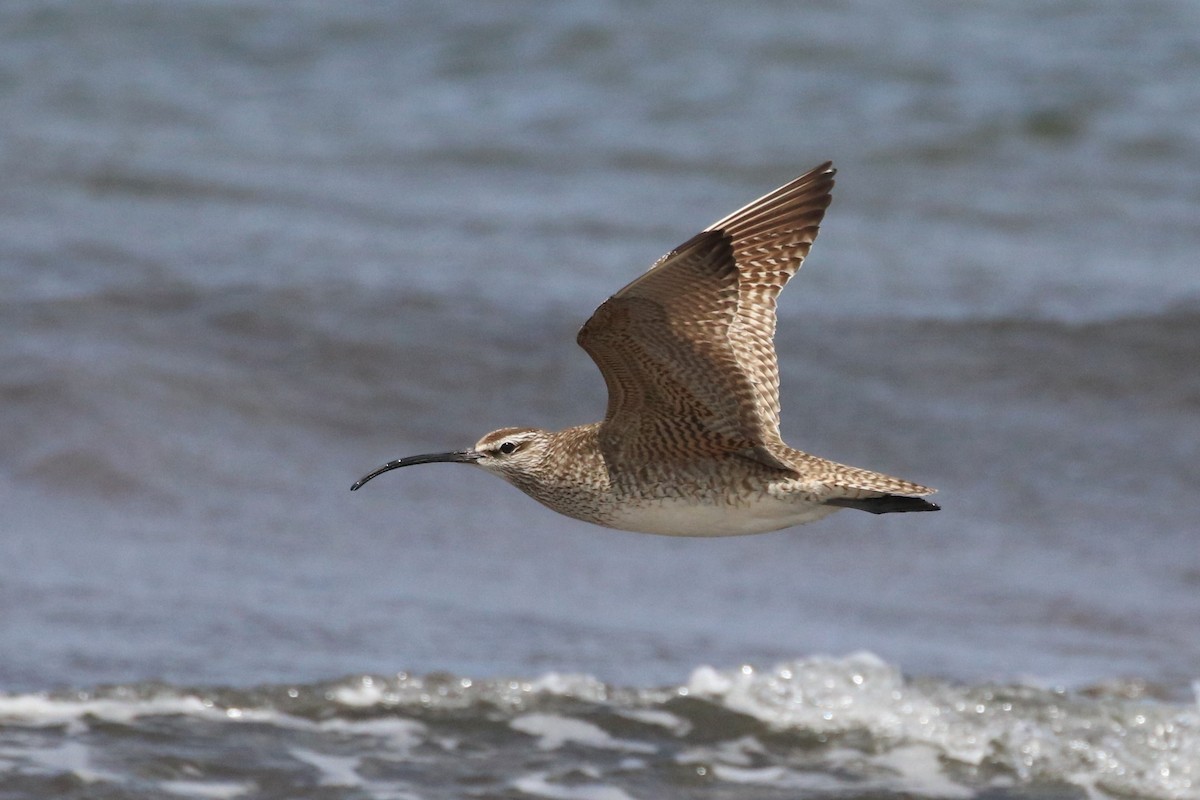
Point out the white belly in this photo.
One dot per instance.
(679, 517)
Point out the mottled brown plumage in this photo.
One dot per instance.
(690, 442)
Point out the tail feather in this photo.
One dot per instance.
(886, 504)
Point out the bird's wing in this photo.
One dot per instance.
(771, 238)
(686, 349)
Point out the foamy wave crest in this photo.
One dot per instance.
(822, 726)
(1007, 734)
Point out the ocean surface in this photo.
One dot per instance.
(251, 250)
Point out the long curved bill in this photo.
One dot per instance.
(457, 457)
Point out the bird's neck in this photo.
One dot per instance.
(572, 478)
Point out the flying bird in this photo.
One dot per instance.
(689, 444)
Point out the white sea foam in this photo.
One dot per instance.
(361, 694)
(401, 734)
(42, 709)
(334, 770)
(904, 770)
(672, 722)
(861, 725)
(539, 786)
(740, 752)
(781, 778)
(553, 731)
(69, 757)
(216, 790)
(920, 771)
(575, 685)
(1139, 748)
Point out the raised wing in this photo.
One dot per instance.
(686, 349)
(771, 238)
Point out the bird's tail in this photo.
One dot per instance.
(885, 504)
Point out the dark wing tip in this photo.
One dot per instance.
(887, 504)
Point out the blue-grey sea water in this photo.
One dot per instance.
(250, 250)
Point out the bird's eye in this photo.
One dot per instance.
(507, 448)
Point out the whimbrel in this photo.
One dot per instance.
(689, 444)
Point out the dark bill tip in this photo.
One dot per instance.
(457, 457)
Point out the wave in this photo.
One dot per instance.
(827, 726)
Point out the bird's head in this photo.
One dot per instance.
(511, 451)
(507, 452)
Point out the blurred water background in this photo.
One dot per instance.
(249, 250)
